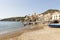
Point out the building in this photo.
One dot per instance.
(40, 17)
(56, 16)
(49, 15)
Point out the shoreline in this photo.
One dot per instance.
(17, 33)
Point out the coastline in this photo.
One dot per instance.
(16, 34)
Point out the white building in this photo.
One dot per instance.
(56, 16)
(49, 16)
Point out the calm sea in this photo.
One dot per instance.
(9, 26)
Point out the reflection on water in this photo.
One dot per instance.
(6, 26)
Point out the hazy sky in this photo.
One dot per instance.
(13, 8)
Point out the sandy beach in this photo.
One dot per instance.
(46, 33)
(35, 32)
(15, 35)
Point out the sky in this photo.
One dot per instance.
(17, 8)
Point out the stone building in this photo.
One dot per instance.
(56, 16)
(40, 17)
(49, 15)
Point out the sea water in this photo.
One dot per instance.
(9, 26)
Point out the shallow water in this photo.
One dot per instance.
(6, 26)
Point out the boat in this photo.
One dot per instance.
(54, 24)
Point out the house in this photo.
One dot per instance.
(56, 16)
(40, 17)
(51, 15)
(47, 17)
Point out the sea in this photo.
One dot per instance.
(10, 26)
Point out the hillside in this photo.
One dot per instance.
(51, 11)
(13, 19)
(22, 18)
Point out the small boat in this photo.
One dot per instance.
(54, 24)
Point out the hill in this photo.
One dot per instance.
(51, 11)
(23, 18)
(13, 19)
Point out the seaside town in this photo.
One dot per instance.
(45, 17)
(36, 26)
(29, 19)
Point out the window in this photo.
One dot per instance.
(59, 15)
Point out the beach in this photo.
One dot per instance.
(35, 32)
(16, 34)
(47, 33)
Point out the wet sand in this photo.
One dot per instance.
(35, 32)
(16, 35)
